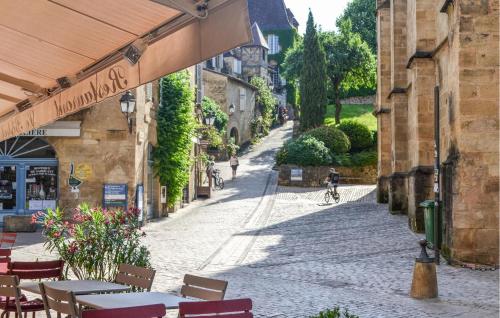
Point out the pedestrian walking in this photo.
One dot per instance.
(234, 163)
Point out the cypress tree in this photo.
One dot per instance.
(313, 79)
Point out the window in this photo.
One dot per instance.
(237, 66)
(149, 92)
(243, 98)
(274, 44)
(264, 55)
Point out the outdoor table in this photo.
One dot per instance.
(78, 287)
(110, 301)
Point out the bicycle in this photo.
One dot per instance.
(331, 192)
(218, 180)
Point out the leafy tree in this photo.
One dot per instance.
(209, 106)
(292, 66)
(175, 129)
(351, 64)
(313, 79)
(363, 19)
(266, 102)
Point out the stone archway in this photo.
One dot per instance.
(234, 134)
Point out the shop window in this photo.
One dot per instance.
(41, 187)
(8, 187)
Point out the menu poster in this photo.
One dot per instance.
(35, 205)
(115, 195)
(34, 172)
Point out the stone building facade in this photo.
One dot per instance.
(65, 167)
(441, 57)
(236, 98)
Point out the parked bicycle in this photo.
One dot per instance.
(217, 179)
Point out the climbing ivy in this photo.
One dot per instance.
(266, 102)
(175, 129)
(287, 38)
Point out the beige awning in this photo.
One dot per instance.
(47, 45)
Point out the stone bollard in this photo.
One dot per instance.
(424, 284)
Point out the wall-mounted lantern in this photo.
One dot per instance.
(210, 119)
(127, 104)
(232, 109)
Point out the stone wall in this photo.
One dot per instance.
(382, 102)
(315, 176)
(455, 46)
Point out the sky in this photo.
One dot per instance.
(325, 12)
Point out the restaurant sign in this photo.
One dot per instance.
(57, 129)
(109, 82)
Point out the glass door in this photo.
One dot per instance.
(8, 188)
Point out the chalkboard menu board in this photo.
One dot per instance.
(115, 195)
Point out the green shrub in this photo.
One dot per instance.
(335, 313)
(305, 151)
(364, 158)
(96, 241)
(232, 148)
(358, 159)
(281, 156)
(213, 136)
(334, 139)
(359, 135)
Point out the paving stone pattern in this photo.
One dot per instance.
(294, 255)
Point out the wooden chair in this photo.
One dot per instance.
(37, 270)
(203, 288)
(148, 311)
(13, 301)
(7, 240)
(233, 308)
(139, 278)
(61, 301)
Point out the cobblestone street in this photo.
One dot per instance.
(294, 255)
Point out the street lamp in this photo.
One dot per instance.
(210, 119)
(232, 109)
(127, 104)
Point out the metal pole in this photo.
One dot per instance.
(437, 205)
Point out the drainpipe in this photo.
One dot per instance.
(437, 203)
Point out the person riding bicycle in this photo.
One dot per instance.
(333, 179)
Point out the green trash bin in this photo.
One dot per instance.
(428, 205)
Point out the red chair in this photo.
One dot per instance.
(8, 239)
(4, 260)
(149, 311)
(233, 308)
(37, 270)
